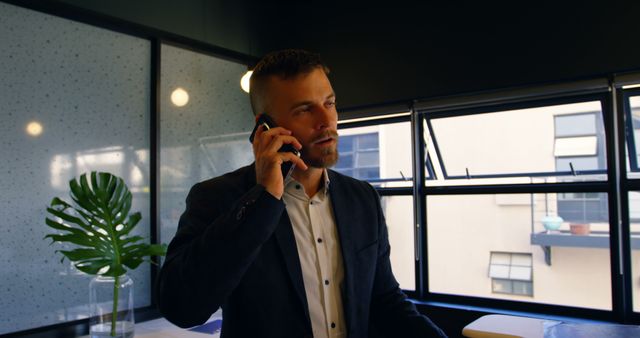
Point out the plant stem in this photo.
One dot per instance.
(114, 314)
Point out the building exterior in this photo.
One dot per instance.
(496, 245)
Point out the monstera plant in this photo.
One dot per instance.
(98, 226)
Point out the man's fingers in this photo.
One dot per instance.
(291, 157)
(279, 141)
(264, 137)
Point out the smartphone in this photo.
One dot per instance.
(265, 121)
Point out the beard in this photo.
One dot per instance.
(327, 156)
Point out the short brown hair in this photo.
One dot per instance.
(284, 64)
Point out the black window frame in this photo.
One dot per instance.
(391, 191)
(498, 108)
(630, 137)
(620, 285)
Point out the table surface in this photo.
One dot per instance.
(504, 326)
(162, 328)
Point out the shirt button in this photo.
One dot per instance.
(333, 325)
(240, 214)
(326, 282)
(311, 202)
(319, 240)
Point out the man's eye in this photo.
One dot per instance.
(331, 103)
(301, 110)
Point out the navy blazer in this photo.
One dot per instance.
(235, 249)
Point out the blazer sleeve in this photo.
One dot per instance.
(392, 314)
(216, 242)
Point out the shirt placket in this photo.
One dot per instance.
(317, 229)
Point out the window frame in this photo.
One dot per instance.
(499, 108)
(508, 279)
(394, 191)
(356, 153)
(629, 130)
(620, 285)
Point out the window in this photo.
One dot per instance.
(579, 146)
(511, 273)
(359, 156)
(632, 107)
(379, 152)
(502, 175)
(507, 146)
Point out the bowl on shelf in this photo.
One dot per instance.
(552, 223)
(580, 228)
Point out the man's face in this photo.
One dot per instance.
(306, 106)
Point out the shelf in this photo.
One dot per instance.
(597, 239)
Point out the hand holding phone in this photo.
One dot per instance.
(276, 151)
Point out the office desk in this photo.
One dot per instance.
(503, 326)
(161, 328)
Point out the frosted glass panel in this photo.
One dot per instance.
(74, 98)
(204, 133)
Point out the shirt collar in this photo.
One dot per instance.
(290, 182)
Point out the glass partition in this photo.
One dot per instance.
(75, 98)
(205, 122)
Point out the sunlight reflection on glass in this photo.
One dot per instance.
(61, 166)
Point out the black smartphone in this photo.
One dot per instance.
(266, 121)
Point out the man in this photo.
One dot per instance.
(301, 256)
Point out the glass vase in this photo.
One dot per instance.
(111, 303)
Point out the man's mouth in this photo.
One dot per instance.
(327, 139)
(324, 140)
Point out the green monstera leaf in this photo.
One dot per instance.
(99, 225)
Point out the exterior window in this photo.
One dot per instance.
(579, 145)
(359, 156)
(379, 152)
(511, 273)
(528, 145)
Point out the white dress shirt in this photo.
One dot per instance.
(316, 235)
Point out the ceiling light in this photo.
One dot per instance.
(244, 82)
(179, 97)
(34, 128)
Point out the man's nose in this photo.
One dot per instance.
(325, 117)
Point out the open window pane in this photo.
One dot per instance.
(576, 146)
(380, 154)
(398, 211)
(517, 251)
(575, 125)
(634, 216)
(532, 145)
(633, 155)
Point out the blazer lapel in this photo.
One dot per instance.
(341, 213)
(287, 242)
